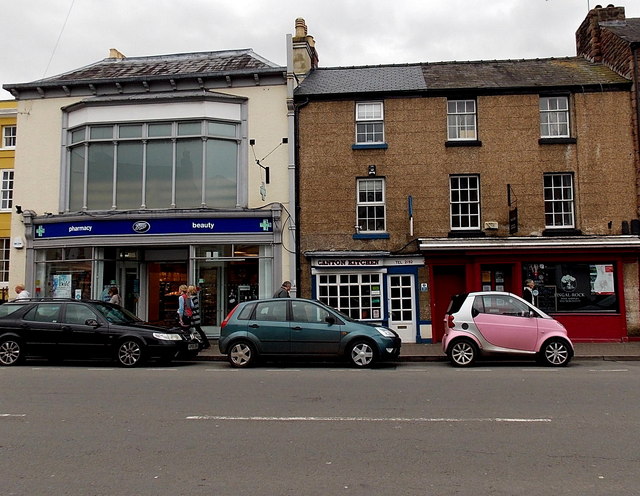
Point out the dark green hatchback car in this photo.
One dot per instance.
(300, 327)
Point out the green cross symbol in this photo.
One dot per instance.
(265, 224)
(40, 231)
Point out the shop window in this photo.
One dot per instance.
(573, 287)
(64, 273)
(357, 295)
(153, 165)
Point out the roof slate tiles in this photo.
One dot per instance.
(478, 75)
(628, 30)
(201, 63)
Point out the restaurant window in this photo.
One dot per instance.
(573, 287)
(357, 295)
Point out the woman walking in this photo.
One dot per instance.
(195, 318)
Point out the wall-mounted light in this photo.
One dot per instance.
(372, 170)
(18, 209)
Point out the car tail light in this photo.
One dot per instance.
(450, 321)
(226, 320)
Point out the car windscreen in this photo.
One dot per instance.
(116, 314)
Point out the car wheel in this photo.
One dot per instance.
(555, 353)
(362, 354)
(242, 354)
(130, 353)
(11, 352)
(463, 353)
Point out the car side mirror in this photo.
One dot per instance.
(330, 319)
(92, 323)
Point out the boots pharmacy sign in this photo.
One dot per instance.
(187, 226)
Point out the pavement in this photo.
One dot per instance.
(413, 352)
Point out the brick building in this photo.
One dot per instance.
(422, 180)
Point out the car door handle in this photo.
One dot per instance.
(66, 328)
(254, 326)
(296, 328)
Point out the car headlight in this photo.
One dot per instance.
(165, 336)
(385, 332)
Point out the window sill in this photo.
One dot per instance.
(371, 236)
(557, 141)
(460, 143)
(466, 234)
(566, 231)
(369, 146)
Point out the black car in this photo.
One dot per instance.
(65, 328)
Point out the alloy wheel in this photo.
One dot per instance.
(129, 353)
(10, 352)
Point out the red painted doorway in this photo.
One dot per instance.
(447, 281)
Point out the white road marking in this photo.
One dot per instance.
(540, 370)
(474, 370)
(608, 370)
(364, 419)
(13, 414)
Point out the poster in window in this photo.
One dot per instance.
(486, 276)
(602, 279)
(61, 286)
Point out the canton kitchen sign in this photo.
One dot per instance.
(252, 225)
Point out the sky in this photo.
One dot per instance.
(44, 38)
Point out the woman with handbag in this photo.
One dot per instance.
(185, 307)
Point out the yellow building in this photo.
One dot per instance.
(8, 114)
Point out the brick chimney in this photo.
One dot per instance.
(589, 35)
(305, 57)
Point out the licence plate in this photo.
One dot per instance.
(192, 346)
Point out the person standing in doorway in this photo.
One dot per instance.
(283, 292)
(194, 294)
(527, 292)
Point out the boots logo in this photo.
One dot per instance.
(142, 226)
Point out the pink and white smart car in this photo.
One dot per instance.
(495, 323)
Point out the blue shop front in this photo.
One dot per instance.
(373, 287)
(230, 256)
